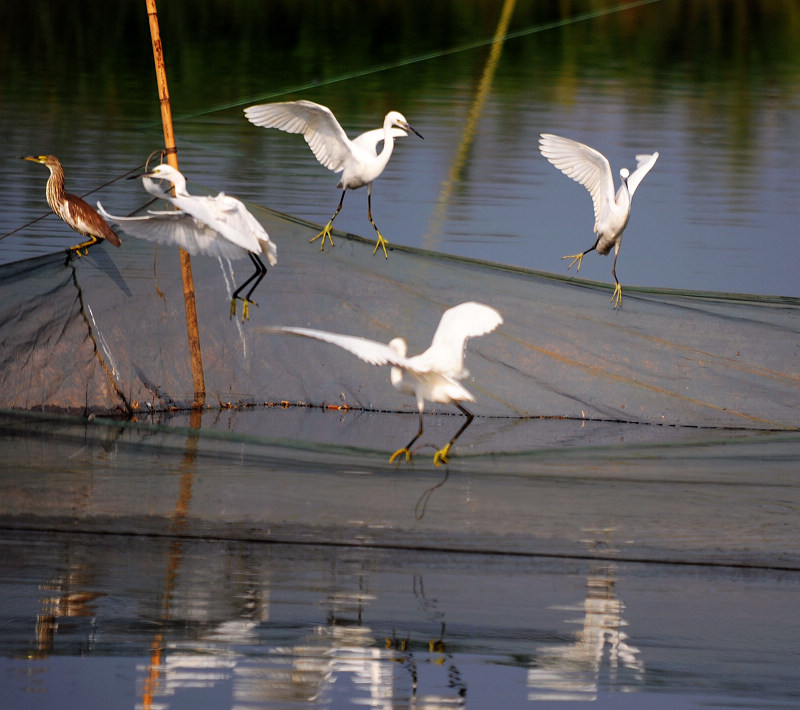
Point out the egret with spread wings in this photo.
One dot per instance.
(215, 226)
(611, 212)
(433, 375)
(358, 160)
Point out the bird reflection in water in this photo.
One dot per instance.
(66, 597)
(574, 672)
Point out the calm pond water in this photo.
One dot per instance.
(224, 613)
(110, 621)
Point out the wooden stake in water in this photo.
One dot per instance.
(195, 353)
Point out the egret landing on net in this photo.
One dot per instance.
(611, 212)
(434, 374)
(79, 215)
(358, 160)
(215, 226)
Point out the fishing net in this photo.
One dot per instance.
(106, 334)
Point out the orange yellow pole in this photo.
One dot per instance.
(196, 356)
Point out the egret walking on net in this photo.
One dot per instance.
(358, 160)
(215, 226)
(79, 215)
(432, 375)
(611, 212)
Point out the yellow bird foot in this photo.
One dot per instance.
(575, 258)
(436, 646)
(246, 309)
(397, 453)
(325, 233)
(616, 299)
(233, 308)
(441, 455)
(380, 243)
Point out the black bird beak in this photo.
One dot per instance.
(411, 128)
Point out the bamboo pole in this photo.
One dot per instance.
(195, 352)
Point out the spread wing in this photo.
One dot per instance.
(583, 164)
(369, 351)
(223, 214)
(236, 223)
(319, 126)
(176, 228)
(457, 325)
(644, 163)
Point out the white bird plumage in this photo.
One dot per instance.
(358, 160)
(211, 225)
(433, 375)
(591, 169)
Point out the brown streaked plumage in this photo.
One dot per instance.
(79, 215)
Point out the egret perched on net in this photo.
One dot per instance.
(358, 160)
(432, 375)
(611, 212)
(215, 226)
(79, 215)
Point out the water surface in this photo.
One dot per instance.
(712, 86)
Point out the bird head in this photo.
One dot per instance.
(43, 159)
(396, 118)
(624, 173)
(399, 346)
(163, 171)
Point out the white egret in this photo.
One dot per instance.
(72, 209)
(432, 375)
(215, 226)
(611, 212)
(358, 160)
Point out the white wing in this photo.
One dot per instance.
(644, 163)
(319, 126)
(176, 228)
(235, 222)
(369, 351)
(369, 140)
(584, 165)
(250, 222)
(446, 353)
(223, 214)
